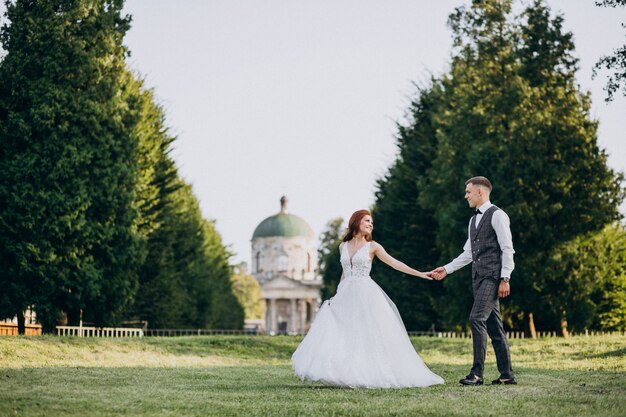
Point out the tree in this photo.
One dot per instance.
(329, 257)
(514, 113)
(185, 281)
(403, 225)
(226, 312)
(67, 154)
(590, 272)
(615, 62)
(248, 292)
(510, 109)
(91, 204)
(160, 299)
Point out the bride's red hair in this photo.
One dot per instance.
(354, 223)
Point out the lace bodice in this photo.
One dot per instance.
(361, 264)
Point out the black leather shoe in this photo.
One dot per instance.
(471, 379)
(504, 381)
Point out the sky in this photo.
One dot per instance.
(301, 98)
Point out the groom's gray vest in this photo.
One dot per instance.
(486, 251)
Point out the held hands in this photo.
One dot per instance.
(425, 275)
(438, 273)
(504, 290)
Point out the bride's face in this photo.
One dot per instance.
(366, 226)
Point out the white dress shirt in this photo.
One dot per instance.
(501, 224)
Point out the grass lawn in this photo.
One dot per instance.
(251, 376)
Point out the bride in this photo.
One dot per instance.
(358, 338)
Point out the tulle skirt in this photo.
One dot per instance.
(358, 340)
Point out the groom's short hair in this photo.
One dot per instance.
(480, 181)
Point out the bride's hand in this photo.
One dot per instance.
(425, 276)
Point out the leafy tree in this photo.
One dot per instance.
(515, 115)
(160, 299)
(225, 311)
(91, 204)
(590, 272)
(508, 109)
(248, 292)
(67, 154)
(615, 62)
(329, 257)
(185, 281)
(185, 278)
(403, 225)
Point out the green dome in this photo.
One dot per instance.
(283, 224)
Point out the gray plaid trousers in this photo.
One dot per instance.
(485, 320)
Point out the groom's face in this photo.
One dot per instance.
(472, 195)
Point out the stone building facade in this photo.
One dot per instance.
(284, 262)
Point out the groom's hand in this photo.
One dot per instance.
(504, 289)
(439, 273)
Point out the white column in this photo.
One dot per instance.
(303, 307)
(293, 320)
(273, 324)
(313, 308)
(268, 317)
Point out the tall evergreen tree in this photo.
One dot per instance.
(67, 155)
(185, 280)
(225, 310)
(514, 113)
(403, 225)
(508, 109)
(160, 299)
(590, 273)
(91, 204)
(329, 257)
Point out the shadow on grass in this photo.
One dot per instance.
(275, 347)
(243, 347)
(611, 354)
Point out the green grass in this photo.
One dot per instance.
(251, 376)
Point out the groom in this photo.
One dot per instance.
(489, 249)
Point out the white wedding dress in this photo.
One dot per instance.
(358, 338)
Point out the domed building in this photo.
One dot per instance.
(284, 262)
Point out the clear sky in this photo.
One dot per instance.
(273, 97)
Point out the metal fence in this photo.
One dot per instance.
(81, 331)
(199, 332)
(450, 335)
(517, 335)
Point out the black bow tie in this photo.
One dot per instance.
(477, 212)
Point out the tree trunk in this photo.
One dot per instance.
(21, 323)
(531, 326)
(564, 331)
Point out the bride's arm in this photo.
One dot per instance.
(382, 254)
